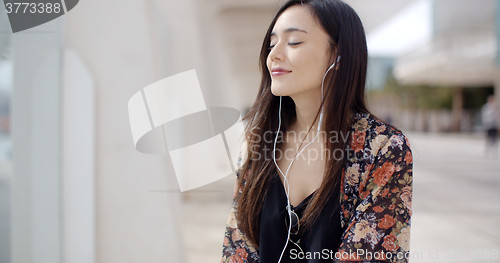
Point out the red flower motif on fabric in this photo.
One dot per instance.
(383, 173)
(378, 209)
(386, 222)
(408, 157)
(235, 259)
(358, 141)
(242, 253)
(389, 242)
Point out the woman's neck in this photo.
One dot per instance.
(306, 108)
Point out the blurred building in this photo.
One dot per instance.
(463, 51)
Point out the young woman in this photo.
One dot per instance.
(320, 178)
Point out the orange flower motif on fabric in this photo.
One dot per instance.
(242, 253)
(408, 157)
(380, 129)
(369, 168)
(358, 141)
(383, 173)
(235, 259)
(386, 222)
(389, 242)
(378, 209)
(364, 194)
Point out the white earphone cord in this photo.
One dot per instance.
(287, 186)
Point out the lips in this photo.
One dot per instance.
(278, 71)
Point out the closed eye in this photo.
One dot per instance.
(291, 44)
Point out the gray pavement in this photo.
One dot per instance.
(456, 204)
(456, 200)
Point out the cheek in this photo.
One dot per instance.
(311, 69)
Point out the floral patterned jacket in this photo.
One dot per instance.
(375, 199)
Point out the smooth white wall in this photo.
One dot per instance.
(78, 122)
(36, 132)
(133, 224)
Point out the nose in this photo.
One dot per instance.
(276, 52)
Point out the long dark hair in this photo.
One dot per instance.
(344, 95)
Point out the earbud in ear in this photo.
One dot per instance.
(338, 58)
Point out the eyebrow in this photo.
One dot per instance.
(288, 30)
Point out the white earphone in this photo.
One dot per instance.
(321, 113)
(286, 185)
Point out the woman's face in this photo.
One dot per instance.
(300, 48)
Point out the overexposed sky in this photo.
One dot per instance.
(402, 32)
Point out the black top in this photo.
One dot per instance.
(324, 234)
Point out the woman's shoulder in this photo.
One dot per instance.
(377, 133)
(374, 124)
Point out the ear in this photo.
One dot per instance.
(334, 58)
(339, 60)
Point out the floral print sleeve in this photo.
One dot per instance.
(236, 248)
(379, 223)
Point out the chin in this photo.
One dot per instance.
(277, 93)
(280, 91)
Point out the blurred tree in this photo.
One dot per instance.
(426, 98)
